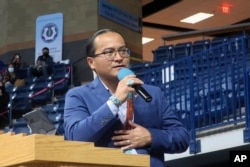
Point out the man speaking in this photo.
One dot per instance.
(111, 113)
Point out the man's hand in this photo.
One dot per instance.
(123, 89)
(134, 138)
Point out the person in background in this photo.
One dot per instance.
(16, 61)
(44, 64)
(10, 78)
(2, 69)
(4, 100)
(95, 112)
(19, 66)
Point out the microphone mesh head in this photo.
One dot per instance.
(124, 72)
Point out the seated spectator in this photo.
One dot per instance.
(38, 70)
(44, 64)
(2, 69)
(19, 65)
(11, 79)
(16, 61)
(4, 100)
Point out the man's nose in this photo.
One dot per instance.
(117, 55)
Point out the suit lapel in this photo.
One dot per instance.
(138, 109)
(98, 89)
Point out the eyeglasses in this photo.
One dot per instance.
(110, 53)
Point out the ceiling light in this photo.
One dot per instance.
(197, 17)
(146, 40)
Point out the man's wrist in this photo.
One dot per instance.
(115, 100)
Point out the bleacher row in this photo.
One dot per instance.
(166, 53)
(45, 92)
(207, 85)
(172, 52)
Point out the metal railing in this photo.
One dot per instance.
(207, 90)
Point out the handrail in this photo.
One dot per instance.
(207, 90)
(207, 32)
(4, 112)
(39, 92)
(45, 89)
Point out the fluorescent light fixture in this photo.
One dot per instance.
(146, 40)
(197, 17)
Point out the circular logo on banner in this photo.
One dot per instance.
(49, 32)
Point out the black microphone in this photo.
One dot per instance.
(138, 88)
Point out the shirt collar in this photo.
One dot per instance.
(105, 85)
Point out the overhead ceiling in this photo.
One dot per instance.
(162, 17)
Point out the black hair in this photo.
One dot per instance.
(46, 48)
(90, 45)
(14, 56)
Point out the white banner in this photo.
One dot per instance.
(49, 33)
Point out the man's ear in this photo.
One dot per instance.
(91, 62)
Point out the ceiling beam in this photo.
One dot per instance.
(208, 32)
(247, 20)
(156, 6)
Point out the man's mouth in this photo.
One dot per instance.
(119, 66)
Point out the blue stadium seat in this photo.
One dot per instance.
(41, 91)
(55, 117)
(48, 108)
(200, 46)
(59, 105)
(20, 126)
(61, 78)
(181, 70)
(140, 67)
(248, 44)
(236, 43)
(59, 71)
(21, 89)
(163, 53)
(221, 43)
(199, 112)
(217, 105)
(57, 120)
(55, 113)
(19, 102)
(182, 50)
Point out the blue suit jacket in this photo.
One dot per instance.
(87, 117)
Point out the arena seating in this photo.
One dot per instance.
(207, 86)
(46, 92)
(164, 53)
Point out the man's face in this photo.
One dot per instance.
(45, 52)
(106, 42)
